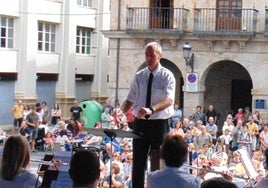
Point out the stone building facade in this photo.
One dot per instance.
(53, 51)
(228, 38)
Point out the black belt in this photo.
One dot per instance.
(150, 119)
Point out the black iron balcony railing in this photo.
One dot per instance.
(266, 23)
(225, 22)
(156, 20)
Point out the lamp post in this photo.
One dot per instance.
(189, 59)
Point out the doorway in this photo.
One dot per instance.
(241, 94)
(228, 87)
(229, 15)
(161, 14)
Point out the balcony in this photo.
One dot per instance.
(266, 23)
(169, 21)
(225, 22)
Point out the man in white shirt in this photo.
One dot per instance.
(152, 110)
(228, 125)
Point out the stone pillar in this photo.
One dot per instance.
(99, 85)
(65, 104)
(65, 88)
(26, 101)
(25, 86)
(99, 98)
(191, 100)
(260, 93)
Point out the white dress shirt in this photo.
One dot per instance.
(163, 87)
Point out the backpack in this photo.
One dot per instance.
(231, 146)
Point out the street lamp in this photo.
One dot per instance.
(189, 59)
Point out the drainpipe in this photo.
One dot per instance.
(117, 52)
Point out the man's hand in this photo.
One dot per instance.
(144, 111)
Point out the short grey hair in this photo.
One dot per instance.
(157, 45)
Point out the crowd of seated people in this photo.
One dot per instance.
(209, 145)
(219, 149)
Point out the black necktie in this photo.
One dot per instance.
(149, 90)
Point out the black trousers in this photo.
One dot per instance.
(153, 133)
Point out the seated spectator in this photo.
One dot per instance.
(215, 165)
(62, 128)
(107, 153)
(239, 169)
(63, 136)
(92, 139)
(208, 151)
(264, 137)
(257, 160)
(117, 142)
(125, 152)
(116, 177)
(193, 127)
(128, 169)
(199, 161)
(85, 169)
(14, 164)
(221, 154)
(44, 125)
(174, 151)
(191, 148)
(63, 140)
(125, 127)
(49, 141)
(116, 157)
(189, 138)
(74, 126)
(263, 182)
(199, 125)
(178, 129)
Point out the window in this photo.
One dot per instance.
(229, 14)
(46, 37)
(85, 3)
(83, 40)
(6, 32)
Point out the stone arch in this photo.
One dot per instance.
(227, 85)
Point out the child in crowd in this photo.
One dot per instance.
(189, 138)
(225, 140)
(49, 141)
